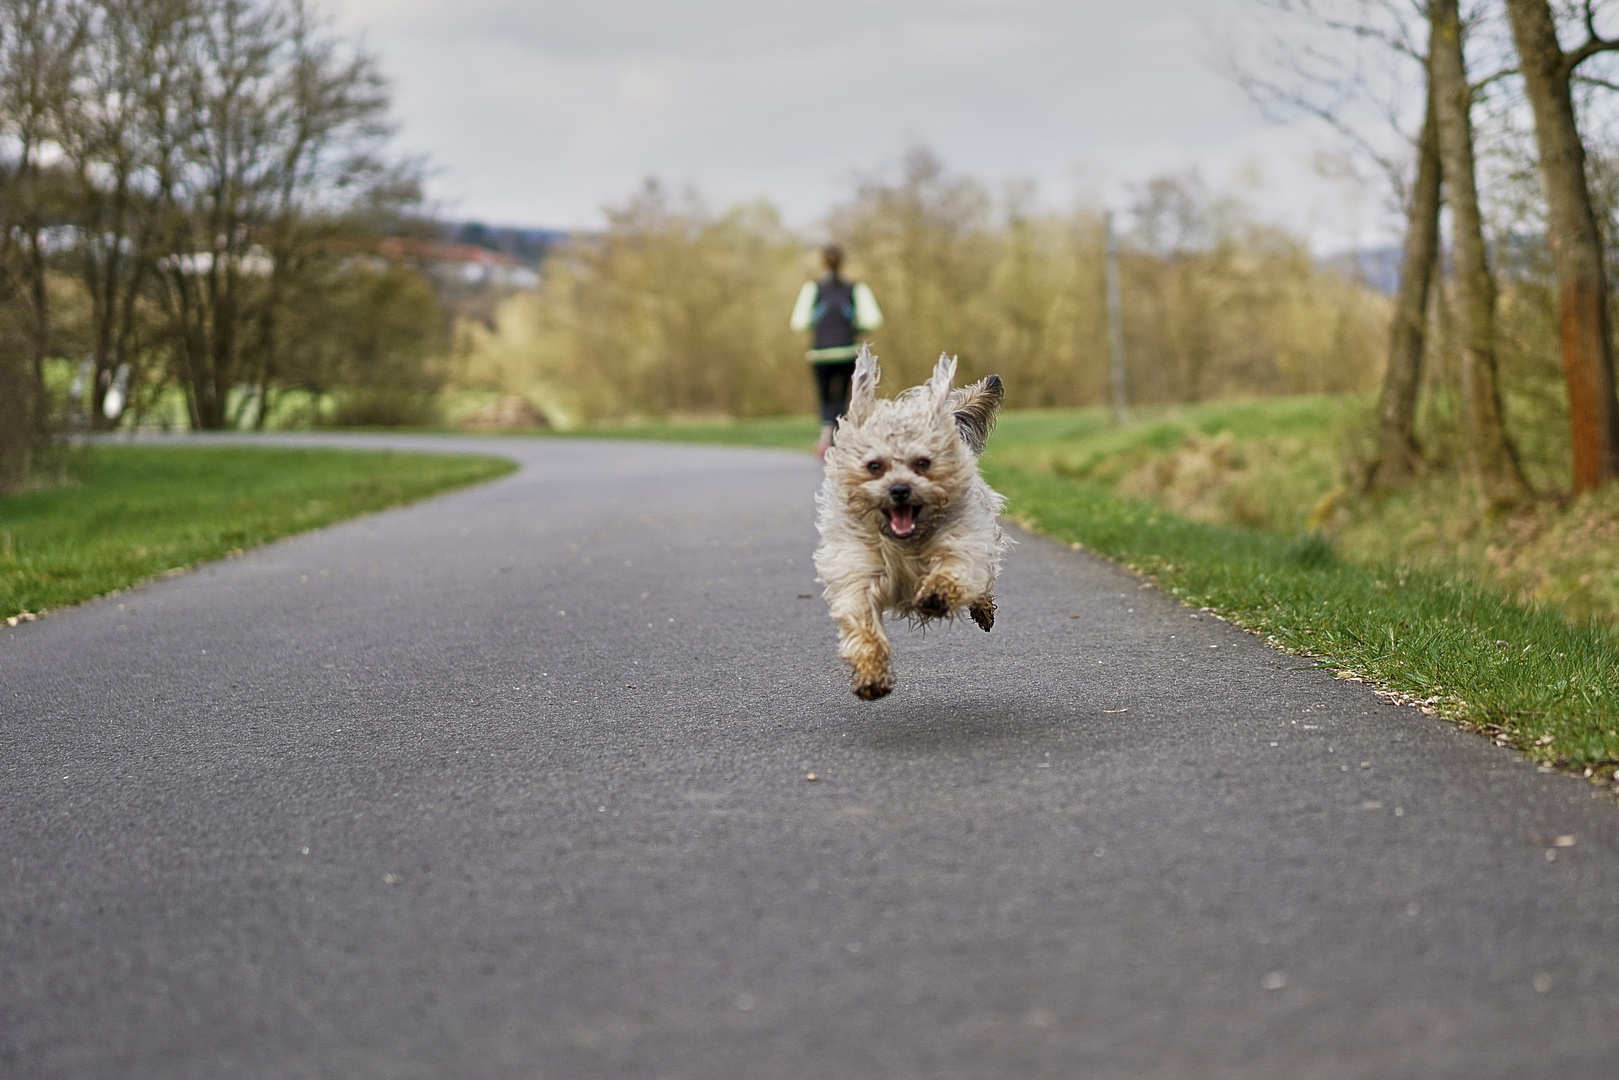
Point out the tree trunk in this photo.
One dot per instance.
(39, 330)
(1493, 457)
(1576, 247)
(103, 272)
(1398, 457)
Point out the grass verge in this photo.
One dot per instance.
(137, 512)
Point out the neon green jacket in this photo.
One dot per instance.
(867, 316)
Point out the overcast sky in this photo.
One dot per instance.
(539, 112)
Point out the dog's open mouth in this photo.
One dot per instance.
(902, 520)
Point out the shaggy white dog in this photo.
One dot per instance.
(907, 525)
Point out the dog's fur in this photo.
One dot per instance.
(907, 525)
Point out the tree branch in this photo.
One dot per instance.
(1594, 41)
(1495, 77)
(1596, 82)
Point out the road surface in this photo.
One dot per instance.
(513, 783)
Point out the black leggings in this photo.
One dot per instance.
(832, 380)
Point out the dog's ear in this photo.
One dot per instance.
(976, 407)
(863, 390)
(944, 373)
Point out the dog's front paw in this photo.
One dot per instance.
(872, 691)
(872, 681)
(983, 613)
(937, 597)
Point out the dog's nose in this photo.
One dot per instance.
(900, 493)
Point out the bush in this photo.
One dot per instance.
(380, 406)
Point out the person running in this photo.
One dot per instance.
(837, 312)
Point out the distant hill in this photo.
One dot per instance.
(1519, 256)
(1378, 267)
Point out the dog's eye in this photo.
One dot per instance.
(921, 464)
(874, 467)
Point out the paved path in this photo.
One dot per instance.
(511, 783)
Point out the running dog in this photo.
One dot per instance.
(907, 525)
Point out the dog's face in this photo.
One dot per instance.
(900, 463)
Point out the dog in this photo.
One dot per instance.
(908, 526)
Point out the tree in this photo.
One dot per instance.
(37, 42)
(124, 79)
(1359, 85)
(214, 177)
(924, 242)
(1398, 456)
(1493, 457)
(280, 129)
(196, 167)
(1572, 236)
(331, 120)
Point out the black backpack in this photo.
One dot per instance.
(833, 314)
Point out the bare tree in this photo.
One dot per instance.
(1356, 79)
(280, 125)
(124, 80)
(1398, 456)
(214, 174)
(1572, 235)
(330, 121)
(1350, 64)
(1493, 457)
(190, 163)
(38, 41)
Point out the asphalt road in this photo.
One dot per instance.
(512, 783)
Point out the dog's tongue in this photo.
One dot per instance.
(902, 519)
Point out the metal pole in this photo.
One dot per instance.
(1115, 322)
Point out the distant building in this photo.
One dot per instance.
(462, 265)
(528, 246)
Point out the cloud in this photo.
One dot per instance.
(542, 112)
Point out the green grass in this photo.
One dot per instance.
(136, 512)
(1519, 671)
